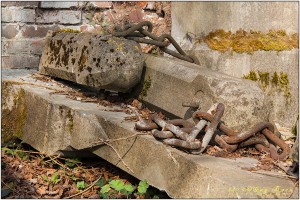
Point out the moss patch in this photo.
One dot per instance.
(279, 82)
(248, 42)
(146, 86)
(70, 121)
(14, 119)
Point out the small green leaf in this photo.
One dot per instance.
(129, 188)
(22, 155)
(55, 178)
(101, 182)
(117, 184)
(8, 151)
(143, 186)
(73, 178)
(105, 189)
(45, 178)
(81, 185)
(155, 197)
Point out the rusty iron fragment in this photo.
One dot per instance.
(162, 134)
(212, 127)
(165, 126)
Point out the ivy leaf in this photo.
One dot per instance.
(117, 184)
(143, 186)
(81, 185)
(105, 189)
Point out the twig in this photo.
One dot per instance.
(275, 175)
(119, 157)
(89, 187)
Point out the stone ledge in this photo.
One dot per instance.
(49, 127)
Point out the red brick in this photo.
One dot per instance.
(29, 31)
(27, 4)
(20, 61)
(135, 16)
(9, 31)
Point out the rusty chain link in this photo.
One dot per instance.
(183, 134)
(137, 33)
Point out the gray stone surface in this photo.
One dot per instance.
(99, 61)
(57, 4)
(174, 82)
(284, 110)
(204, 17)
(47, 127)
(60, 16)
(17, 14)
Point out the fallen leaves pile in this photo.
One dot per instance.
(26, 173)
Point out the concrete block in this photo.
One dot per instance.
(171, 82)
(94, 60)
(26, 4)
(51, 122)
(31, 46)
(9, 31)
(204, 17)
(284, 109)
(60, 16)
(17, 14)
(32, 31)
(20, 61)
(62, 4)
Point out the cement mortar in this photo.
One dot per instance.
(104, 62)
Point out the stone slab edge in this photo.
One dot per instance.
(47, 128)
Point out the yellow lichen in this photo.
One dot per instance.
(68, 30)
(248, 42)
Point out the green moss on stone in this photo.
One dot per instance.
(13, 119)
(146, 86)
(280, 82)
(70, 121)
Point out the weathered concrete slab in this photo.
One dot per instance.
(285, 101)
(171, 82)
(51, 122)
(95, 60)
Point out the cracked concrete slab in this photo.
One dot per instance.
(52, 122)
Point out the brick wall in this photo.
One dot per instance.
(26, 23)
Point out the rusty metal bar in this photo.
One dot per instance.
(184, 144)
(162, 134)
(257, 139)
(212, 127)
(244, 135)
(165, 126)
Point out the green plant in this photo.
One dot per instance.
(143, 186)
(72, 162)
(81, 185)
(55, 178)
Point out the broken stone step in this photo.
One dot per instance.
(104, 62)
(169, 83)
(51, 122)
